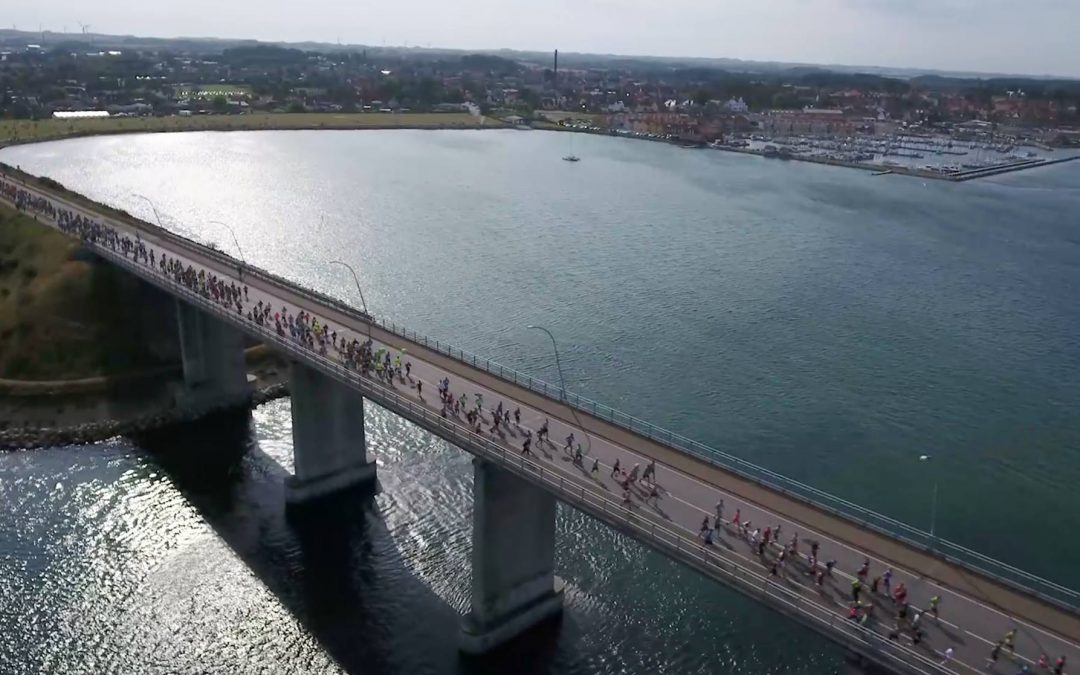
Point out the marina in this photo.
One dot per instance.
(934, 157)
(902, 154)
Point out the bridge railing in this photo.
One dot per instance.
(1013, 576)
(1049, 591)
(649, 529)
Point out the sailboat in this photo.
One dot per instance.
(571, 157)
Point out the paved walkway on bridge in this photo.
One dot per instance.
(971, 614)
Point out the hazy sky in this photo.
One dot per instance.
(1013, 36)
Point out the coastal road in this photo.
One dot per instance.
(975, 612)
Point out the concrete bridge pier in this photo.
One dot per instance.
(513, 582)
(329, 452)
(212, 353)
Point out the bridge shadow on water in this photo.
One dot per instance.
(333, 565)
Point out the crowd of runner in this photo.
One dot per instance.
(873, 597)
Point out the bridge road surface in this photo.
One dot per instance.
(974, 612)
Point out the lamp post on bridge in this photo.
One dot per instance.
(157, 216)
(243, 259)
(562, 385)
(363, 303)
(933, 503)
(558, 363)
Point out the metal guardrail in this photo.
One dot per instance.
(655, 533)
(1049, 591)
(950, 551)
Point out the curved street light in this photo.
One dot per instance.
(363, 303)
(933, 503)
(562, 384)
(157, 216)
(558, 364)
(243, 260)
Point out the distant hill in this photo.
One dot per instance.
(16, 39)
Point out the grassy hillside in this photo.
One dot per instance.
(62, 315)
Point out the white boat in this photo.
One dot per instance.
(571, 157)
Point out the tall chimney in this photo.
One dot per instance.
(555, 77)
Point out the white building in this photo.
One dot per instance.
(738, 107)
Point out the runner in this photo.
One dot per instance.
(595, 465)
(1010, 641)
(934, 602)
(615, 469)
(650, 472)
(947, 655)
(525, 446)
(995, 653)
(900, 594)
(517, 416)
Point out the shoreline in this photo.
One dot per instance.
(45, 413)
(68, 129)
(881, 169)
(430, 122)
(875, 169)
(13, 440)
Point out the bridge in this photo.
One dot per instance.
(806, 569)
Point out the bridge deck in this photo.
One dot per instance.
(975, 610)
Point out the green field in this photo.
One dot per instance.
(27, 131)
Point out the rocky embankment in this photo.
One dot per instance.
(92, 432)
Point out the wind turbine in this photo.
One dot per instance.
(85, 27)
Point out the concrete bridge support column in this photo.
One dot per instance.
(329, 451)
(212, 353)
(513, 582)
